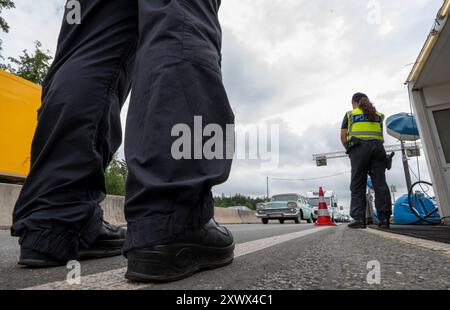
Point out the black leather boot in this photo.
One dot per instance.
(209, 247)
(108, 243)
(357, 224)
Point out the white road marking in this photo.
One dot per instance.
(442, 248)
(114, 279)
(260, 244)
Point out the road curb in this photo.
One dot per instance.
(439, 247)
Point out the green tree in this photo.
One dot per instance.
(4, 27)
(32, 67)
(5, 4)
(116, 177)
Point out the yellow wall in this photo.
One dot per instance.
(19, 102)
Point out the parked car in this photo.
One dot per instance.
(309, 207)
(330, 199)
(285, 207)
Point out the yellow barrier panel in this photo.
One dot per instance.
(19, 102)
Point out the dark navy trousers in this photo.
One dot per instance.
(369, 159)
(169, 53)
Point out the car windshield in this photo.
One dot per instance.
(275, 205)
(285, 198)
(314, 202)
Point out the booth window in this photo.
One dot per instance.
(442, 120)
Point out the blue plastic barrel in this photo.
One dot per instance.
(403, 215)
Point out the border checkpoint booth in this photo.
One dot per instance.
(429, 89)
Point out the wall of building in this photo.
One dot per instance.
(424, 102)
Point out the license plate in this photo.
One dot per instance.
(275, 215)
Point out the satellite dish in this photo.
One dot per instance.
(403, 126)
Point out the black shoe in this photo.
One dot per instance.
(357, 225)
(384, 224)
(209, 247)
(108, 243)
(35, 259)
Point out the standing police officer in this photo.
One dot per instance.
(362, 136)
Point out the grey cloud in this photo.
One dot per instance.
(250, 84)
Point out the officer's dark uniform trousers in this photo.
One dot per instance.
(369, 158)
(169, 51)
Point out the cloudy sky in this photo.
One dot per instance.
(295, 63)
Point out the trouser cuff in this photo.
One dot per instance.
(158, 230)
(60, 242)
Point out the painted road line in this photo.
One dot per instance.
(442, 248)
(114, 279)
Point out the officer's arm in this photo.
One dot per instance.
(344, 137)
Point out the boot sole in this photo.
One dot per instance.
(175, 262)
(39, 263)
(104, 249)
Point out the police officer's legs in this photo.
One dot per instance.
(177, 77)
(78, 130)
(377, 173)
(360, 161)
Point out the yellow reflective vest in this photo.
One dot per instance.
(359, 126)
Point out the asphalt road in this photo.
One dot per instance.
(268, 257)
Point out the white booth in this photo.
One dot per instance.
(429, 88)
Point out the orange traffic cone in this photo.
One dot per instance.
(324, 218)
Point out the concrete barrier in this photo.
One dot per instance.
(112, 206)
(227, 216)
(113, 209)
(8, 196)
(248, 217)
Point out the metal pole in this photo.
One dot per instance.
(406, 166)
(267, 187)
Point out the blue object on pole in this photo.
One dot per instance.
(403, 126)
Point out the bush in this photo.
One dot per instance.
(116, 177)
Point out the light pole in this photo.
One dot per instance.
(393, 191)
(406, 166)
